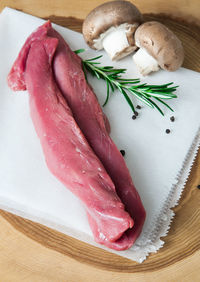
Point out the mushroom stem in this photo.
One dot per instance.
(116, 44)
(145, 62)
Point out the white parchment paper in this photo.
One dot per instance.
(159, 163)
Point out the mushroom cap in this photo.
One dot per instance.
(107, 15)
(161, 43)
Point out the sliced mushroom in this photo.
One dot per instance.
(111, 26)
(159, 48)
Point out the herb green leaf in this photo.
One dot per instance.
(142, 91)
(79, 51)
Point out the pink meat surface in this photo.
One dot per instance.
(67, 152)
(16, 80)
(91, 120)
(89, 116)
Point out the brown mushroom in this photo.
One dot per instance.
(159, 47)
(111, 26)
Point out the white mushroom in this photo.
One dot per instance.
(111, 26)
(159, 48)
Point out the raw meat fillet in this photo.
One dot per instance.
(91, 120)
(16, 76)
(16, 79)
(89, 116)
(67, 153)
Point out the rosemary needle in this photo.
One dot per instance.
(146, 93)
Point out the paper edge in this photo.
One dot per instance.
(166, 214)
(163, 225)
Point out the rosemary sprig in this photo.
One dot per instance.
(148, 94)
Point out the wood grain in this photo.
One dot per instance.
(32, 252)
(24, 260)
(182, 241)
(184, 9)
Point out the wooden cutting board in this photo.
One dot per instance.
(32, 252)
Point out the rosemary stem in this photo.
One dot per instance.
(143, 92)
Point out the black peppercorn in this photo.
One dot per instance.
(138, 107)
(172, 118)
(167, 131)
(134, 117)
(136, 113)
(122, 152)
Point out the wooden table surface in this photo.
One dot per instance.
(24, 259)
